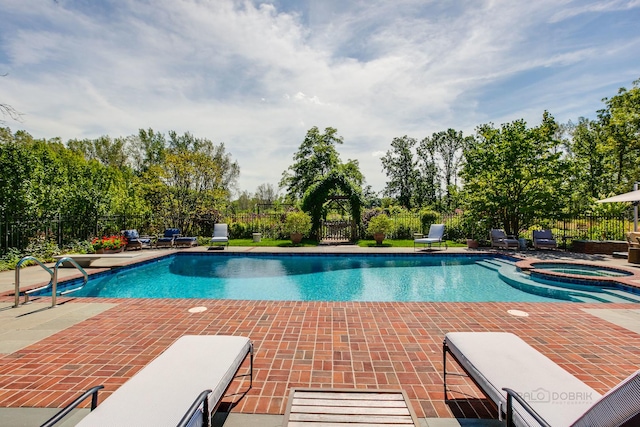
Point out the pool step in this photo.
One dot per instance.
(495, 264)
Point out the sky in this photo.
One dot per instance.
(257, 75)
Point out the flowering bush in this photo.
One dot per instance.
(109, 242)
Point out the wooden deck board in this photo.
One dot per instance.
(346, 407)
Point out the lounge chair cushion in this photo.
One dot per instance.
(499, 359)
(131, 234)
(162, 392)
(186, 241)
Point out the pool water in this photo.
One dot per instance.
(310, 278)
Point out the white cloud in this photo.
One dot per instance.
(257, 76)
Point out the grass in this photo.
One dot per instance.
(272, 243)
(388, 243)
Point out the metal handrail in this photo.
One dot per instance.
(54, 282)
(18, 268)
(93, 392)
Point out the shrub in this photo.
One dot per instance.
(380, 224)
(297, 222)
(427, 217)
(239, 230)
(403, 232)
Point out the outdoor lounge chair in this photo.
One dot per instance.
(184, 241)
(220, 234)
(633, 239)
(499, 239)
(164, 392)
(135, 241)
(522, 382)
(167, 239)
(436, 235)
(543, 239)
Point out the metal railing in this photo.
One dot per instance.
(61, 229)
(17, 277)
(54, 282)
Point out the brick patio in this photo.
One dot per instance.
(316, 344)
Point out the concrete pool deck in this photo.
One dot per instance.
(300, 344)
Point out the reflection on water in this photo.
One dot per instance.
(310, 278)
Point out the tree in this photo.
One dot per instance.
(315, 159)
(197, 173)
(266, 194)
(591, 159)
(449, 145)
(621, 123)
(514, 174)
(399, 166)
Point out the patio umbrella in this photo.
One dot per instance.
(631, 196)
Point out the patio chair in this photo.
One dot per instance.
(184, 241)
(499, 239)
(167, 239)
(543, 239)
(633, 239)
(436, 235)
(183, 386)
(135, 241)
(530, 389)
(220, 234)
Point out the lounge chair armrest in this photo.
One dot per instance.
(202, 399)
(513, 395)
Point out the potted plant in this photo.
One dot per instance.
(297, 224)
(473, 230)
(109, 244)
(379, 226)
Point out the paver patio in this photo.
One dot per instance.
(315, 344)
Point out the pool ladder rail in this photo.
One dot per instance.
(53, 284)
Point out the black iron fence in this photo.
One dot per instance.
(63, 230)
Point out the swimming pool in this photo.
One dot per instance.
(308, 278)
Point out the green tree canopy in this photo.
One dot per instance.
(514, 174)
(399, 165)
(315, 159)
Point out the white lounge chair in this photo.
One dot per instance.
(195, 366)
(530, 389)
(220, 234)
(499, 239)
(436, 235)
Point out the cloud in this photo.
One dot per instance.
(257, 75)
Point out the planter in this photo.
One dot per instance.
(378, 237)
(296, 238)
(109, 251)
(472, 244)
(257, 237)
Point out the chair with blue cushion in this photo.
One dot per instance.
(168, 238)
(135, 241)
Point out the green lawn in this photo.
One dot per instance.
(387, 243)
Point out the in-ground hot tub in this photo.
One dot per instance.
(580, 273)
